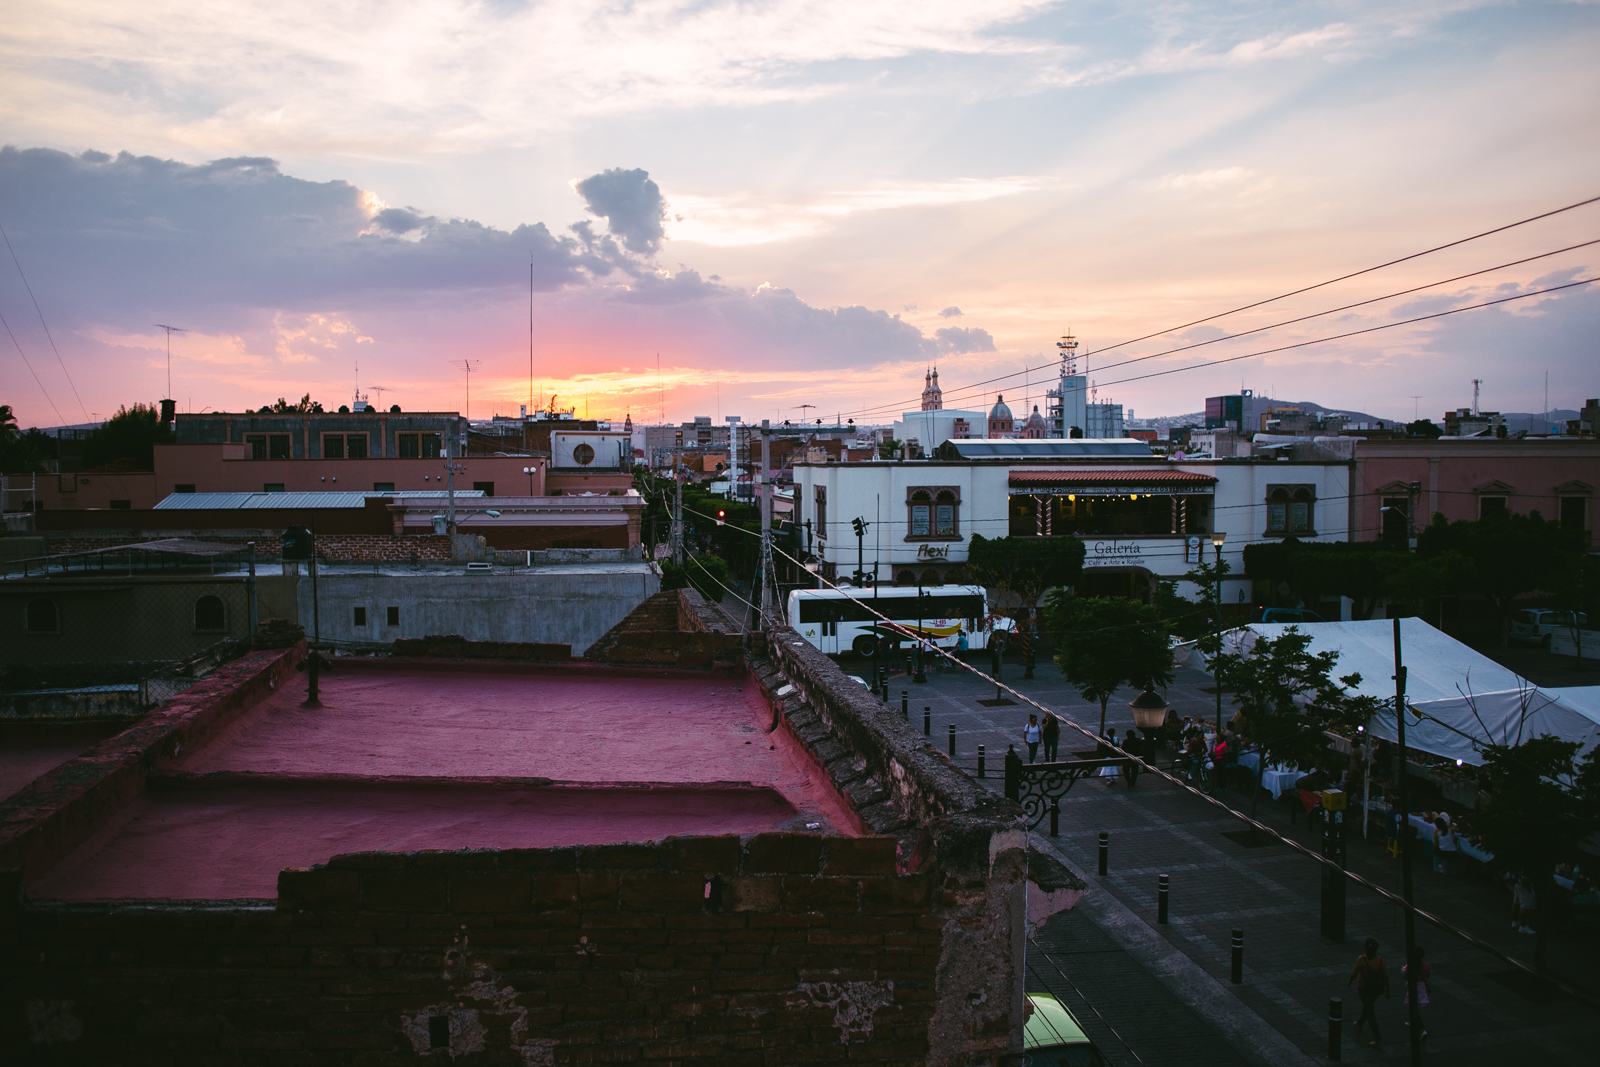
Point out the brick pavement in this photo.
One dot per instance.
(1273, 894)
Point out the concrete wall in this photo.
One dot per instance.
(572, 605)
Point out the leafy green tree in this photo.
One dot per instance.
(1026, 568)
(1185, 619)
(708, 574)
(888, 449)
(304, 406)
(1105, 643)
(8, 425)
(1510, 555)
(1423, 428)
(1542, 805)
(1364, 571)
(127, 440)
(1289, 700)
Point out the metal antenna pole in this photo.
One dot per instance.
(170, 331)
(677, 517)
(1415, 1011)
(766, 524)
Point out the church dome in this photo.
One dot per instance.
(1035, 421)
(1000, 411)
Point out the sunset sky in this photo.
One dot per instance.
(748, 208)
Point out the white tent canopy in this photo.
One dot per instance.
(1464, 699)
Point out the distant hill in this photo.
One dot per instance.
(1198, 418)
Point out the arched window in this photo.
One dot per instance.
(906, 578)
(42, 617)
(933, 513)
(1278, 511)
(921, 514)
(210, 616)
(1300, 512)
(931, 577)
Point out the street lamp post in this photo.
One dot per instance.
(529, 472)
(921, 675)
(1217, 538)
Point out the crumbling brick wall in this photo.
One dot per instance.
(343, 548)
(783, 948)
(673, 628)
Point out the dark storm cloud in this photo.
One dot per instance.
(631, 204)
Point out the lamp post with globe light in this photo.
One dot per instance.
(1217, 538)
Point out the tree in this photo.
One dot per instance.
(1025, 567)
(708, 574)
(127, 440)
(1288, 699)
(1510, 555)
(1364, 571)
(888, 449)
(8, 425)
(1423, 428)
(305, 406)
(1108, 642)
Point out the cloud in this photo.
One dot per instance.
(284, 282)
(630, 203)
(950, 313)
(963, 339)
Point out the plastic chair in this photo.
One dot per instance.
(1392, 845)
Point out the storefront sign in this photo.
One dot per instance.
(1113, 553)
(933, 551)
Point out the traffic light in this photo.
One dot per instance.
(721, 516)
(859, 527)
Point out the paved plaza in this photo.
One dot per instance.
(1163, 993)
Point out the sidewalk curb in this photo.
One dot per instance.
(1250, 1035)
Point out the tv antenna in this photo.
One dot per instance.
(468, 365)
(170, 331)
(379, 389)
(1416, 407)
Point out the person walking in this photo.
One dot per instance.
(1423, 971)
(1371, 976)
(1031, 734)
(1051, 733)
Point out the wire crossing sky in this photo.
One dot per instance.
(795, 204)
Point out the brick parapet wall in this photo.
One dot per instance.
(673, 628)
(779, 949)
(341, 548)
(61, 808)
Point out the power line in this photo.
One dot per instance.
(29, 364)
(1471, 939)
(1355, 333)
(52, 340)
(1283, 296)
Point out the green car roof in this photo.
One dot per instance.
(1051, 1024)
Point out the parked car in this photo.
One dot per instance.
(1289, 615)
(1053, 1038)
(1533, 626)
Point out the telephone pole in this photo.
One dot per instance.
(765, 489)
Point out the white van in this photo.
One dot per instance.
(1533, 626)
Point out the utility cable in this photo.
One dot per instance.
(1296, 292)
(29, 364)
(1355, 333)
(52, 340)
(1471, 939)
(1074, 987)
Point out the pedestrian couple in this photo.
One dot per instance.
(1371, 978)
(1049, 734)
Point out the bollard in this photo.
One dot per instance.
(1335, 1029)
(905, 704)
(1161, 899)
(980, 762)
(1238, 956)
(927, 722)
(1055, 821)
(952, 740)
(1105, 849)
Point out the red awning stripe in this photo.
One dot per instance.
(1110, 477)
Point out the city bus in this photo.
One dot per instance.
(833, 621)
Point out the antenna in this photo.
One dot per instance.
(1416, 408)
(802, 410)
(170, 331)
(379, 390)
(530, 335)
(1069, 353)
(467, 365)
(1475, 383)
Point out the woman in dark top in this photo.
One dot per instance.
(1371, 976)
(1052, 736)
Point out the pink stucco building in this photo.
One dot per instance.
(1467, 479)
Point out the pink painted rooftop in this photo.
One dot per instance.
(400, 759)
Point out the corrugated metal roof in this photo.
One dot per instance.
(1112, 477)
(291, 501)
(983, 448)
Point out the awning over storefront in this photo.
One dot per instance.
(1155, 482)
